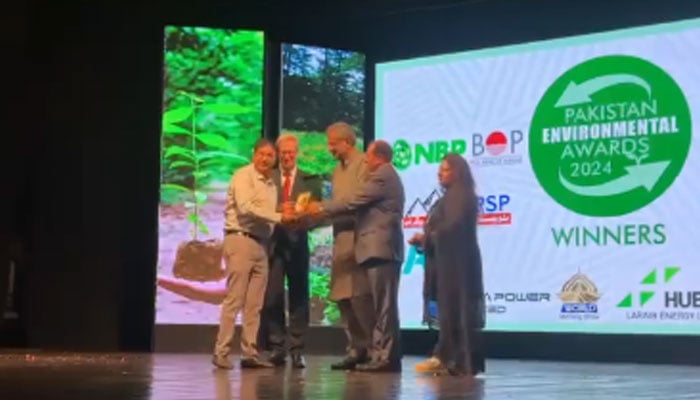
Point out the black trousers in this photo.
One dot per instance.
(288, 260)
(475, 357)
(383, 277)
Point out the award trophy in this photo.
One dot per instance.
(302, 202)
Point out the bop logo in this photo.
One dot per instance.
(496, 148)
(493, 210)
(407, 154)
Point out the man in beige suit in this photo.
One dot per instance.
(349, 285)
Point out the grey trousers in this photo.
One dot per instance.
(247, 268)
(383, 279)
(357, 317)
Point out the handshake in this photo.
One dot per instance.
(293, 212)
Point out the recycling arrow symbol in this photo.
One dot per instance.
(644, 175)
(581, 93)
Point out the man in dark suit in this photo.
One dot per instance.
(379, 248)
(289, 257)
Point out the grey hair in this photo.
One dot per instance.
(287, 137)
(344, 130)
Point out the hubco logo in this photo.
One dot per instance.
(610, 136)
(407, 154)
(657, 299)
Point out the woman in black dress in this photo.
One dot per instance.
(453, 272)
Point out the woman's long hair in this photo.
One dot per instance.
(460, 168)
(465, 181)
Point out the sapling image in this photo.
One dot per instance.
(201, 152)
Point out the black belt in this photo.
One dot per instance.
(242, 233)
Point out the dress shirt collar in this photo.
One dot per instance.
(257, 174)
(292, 173)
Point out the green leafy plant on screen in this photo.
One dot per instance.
(198, 154)
(319, 285)
(320, 237)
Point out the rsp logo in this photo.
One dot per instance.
(493, 210)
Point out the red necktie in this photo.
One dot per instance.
(287, 186)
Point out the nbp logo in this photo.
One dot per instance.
(402, 154)
(652, 278)
(406, 154)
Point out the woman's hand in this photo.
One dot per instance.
(418, 239)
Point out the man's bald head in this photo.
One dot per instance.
(379, 153)
(382, 149)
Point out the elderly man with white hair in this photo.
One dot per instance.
(289, 258)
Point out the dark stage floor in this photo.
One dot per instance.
(191, 377)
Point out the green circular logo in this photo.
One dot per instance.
(610, 136)
(402, 154)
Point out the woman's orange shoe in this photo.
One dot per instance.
(433, 365)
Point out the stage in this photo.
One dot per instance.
(39, 376)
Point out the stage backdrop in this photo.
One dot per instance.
(582, 150)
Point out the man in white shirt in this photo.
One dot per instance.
(251, 214)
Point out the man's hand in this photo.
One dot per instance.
(288, 207)
(288, 213)
(313, 208)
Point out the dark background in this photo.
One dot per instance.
(81, 159)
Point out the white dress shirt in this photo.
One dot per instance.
(251, 203)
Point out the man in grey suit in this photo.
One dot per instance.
(379, 207)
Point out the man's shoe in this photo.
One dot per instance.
(222, 362)
(298, 361)
(382, 366)
(277, 358)
(347, 363)
(254, 362)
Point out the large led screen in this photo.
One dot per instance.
(212, 116)
(586, 160)
(320, 86)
